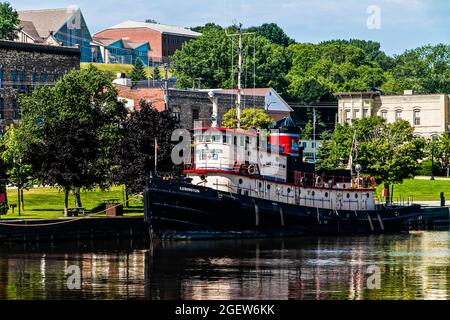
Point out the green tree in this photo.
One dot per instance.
(424, 70)
(138, 72)
(9, 22)
(250, 118)
(273, 33)
(18, 171)
(156, 74)
(212, 57)
(72, 131)
(372, 50)
(441, 152)
(390, 152)
(209, 25)
(136, 150)
(320, 70)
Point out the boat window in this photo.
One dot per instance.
(356, 196)
(208, 139)
(348, 195)
(260, 185)
(368, 196)
(242, 141)
(326, 194)
(313, 193)
(268, 187)
(235, 140)
(225, 139)
(288, 190)
(240, 181)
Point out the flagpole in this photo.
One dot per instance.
(156, 155)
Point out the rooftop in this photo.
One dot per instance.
(163, 28)
(47, 21)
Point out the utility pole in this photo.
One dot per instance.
(166, 86)
(239, 34)
(314, 133)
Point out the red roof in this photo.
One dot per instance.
(155, 96)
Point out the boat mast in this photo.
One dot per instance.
(239, 91)
(239, 34)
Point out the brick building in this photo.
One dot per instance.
(24, 66)
(164, 39)
(191, 105)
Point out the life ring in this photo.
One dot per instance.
(302, 181)
(319, 182)
(251, 170)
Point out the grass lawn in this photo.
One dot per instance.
(120, 68)
(49, 202)
(420, 190)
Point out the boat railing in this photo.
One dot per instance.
(313, 180)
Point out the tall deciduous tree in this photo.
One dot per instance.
(212, 59)
(9, 22)
(272, 32)
(424, 70)
(250, 118)
(73, 129)
(136, 150)
(18, 172)
(320, 70)
(389, 152)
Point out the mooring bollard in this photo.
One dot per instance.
(442, 199)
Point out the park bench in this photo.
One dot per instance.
(75, 212)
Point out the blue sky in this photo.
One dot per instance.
(404, 24)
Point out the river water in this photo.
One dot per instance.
(407, 266)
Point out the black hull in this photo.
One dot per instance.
(178, 210)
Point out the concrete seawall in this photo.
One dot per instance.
(72, 229)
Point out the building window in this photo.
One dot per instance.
(398, 115)
(2, 108)
(176, 116)
(16, 110)
(44, 77)
(365, 113)
(1, 76)
(347, 116)
(384, 114)
(14, 78)
(417, 117)
(195, 114)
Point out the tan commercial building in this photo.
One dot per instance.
(428, 113)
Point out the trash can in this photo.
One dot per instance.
(114, 210)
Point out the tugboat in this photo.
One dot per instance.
(242, 185)
(249, 184)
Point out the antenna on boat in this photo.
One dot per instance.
(239, 34)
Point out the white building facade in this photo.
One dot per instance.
(429, 114)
